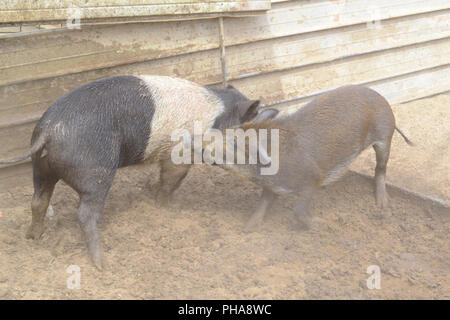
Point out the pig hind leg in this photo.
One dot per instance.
(89, 212)
(267, 198)
(171, 176)
(44, 181)
(382, 150)
(93, 187)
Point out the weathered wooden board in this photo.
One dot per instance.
(286, 84)
(13, 29)
(72, 51)
(311, 48)
(294, 17)
(18, 175)
(54, 10)
(397, 90)
(413, 86)
(27, 101)
(9, 31)
(14, 142)
(63, 4)
(35, 56)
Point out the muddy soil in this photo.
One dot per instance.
(198, 248)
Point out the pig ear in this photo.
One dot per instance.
(247, 109)
(265, 115)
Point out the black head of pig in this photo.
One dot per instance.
(238, 108)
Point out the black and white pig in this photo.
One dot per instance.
(114, 122)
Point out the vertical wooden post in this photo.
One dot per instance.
(222, 52)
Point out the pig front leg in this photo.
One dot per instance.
(301, 207)
(171, 176)
(267, 198)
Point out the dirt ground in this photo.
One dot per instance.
(198, 248)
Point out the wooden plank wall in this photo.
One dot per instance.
(60, 10)
(285, 56)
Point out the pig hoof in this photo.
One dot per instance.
(50, 212)
(34, 232)
(303, 223)
(162, 204)
(98, 264)
(162, 200)
(383, 202)
(252, 224)
(98, 261)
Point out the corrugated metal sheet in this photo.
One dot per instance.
(293, 52)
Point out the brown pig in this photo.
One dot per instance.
(318, 142)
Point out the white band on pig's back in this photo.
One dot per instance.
(178, 104)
